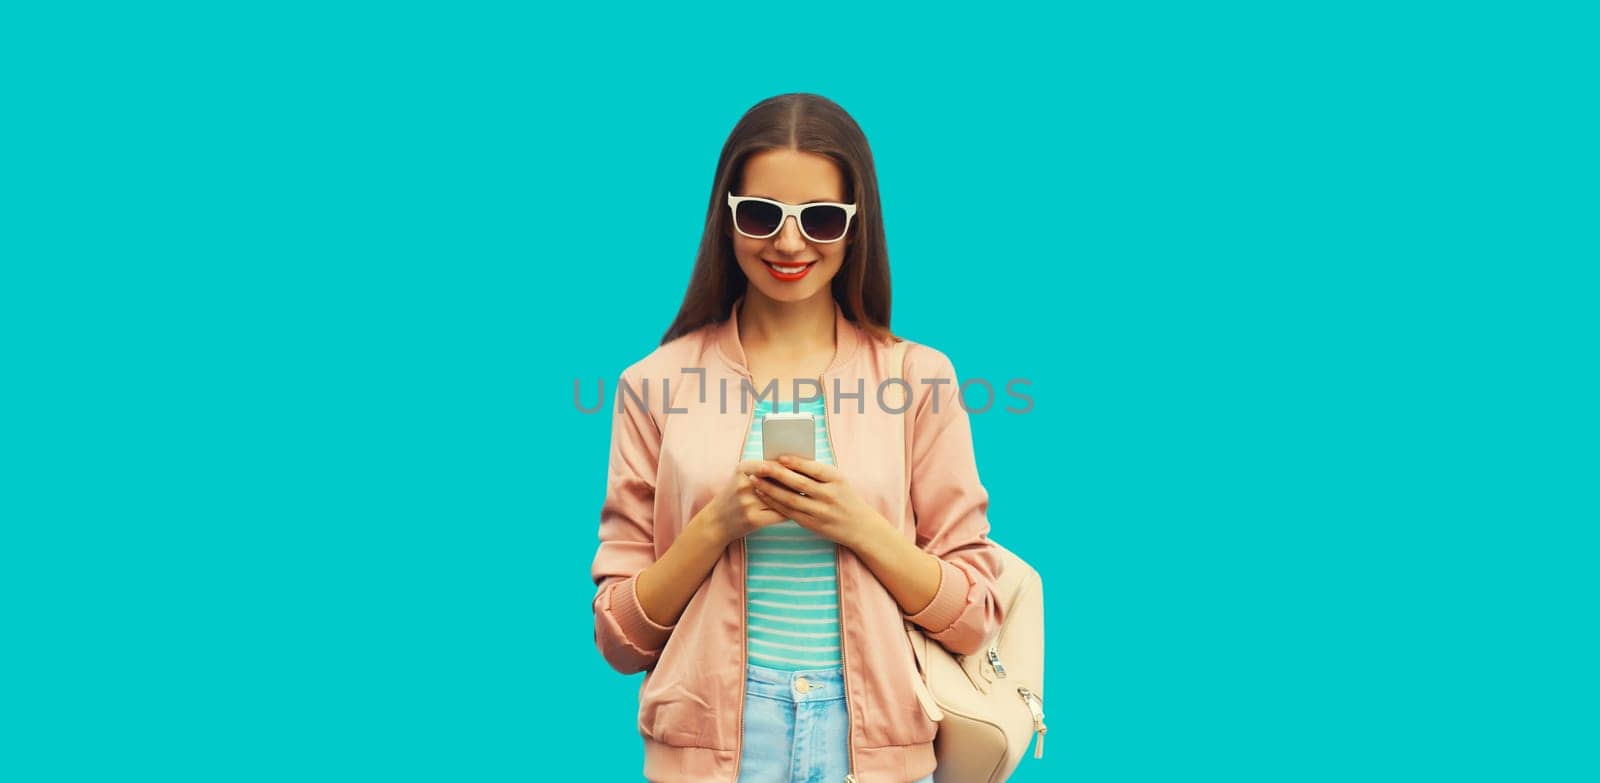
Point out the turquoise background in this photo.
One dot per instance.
(294, 299)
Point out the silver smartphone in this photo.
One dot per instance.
(794, 434)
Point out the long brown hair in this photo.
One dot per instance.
(808, 123)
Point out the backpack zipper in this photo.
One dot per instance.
(994, 660)
(1036, 706)
(994, 647)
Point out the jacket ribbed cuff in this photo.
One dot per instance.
(641, 631)
(947, 603)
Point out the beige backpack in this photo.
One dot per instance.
(988, 705)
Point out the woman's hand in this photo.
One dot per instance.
(816, 496)
(737, 510)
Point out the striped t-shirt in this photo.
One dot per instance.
(791, 588)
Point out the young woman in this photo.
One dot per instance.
(767, 600)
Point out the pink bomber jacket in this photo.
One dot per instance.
(677, 435)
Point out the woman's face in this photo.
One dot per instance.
(793, 177)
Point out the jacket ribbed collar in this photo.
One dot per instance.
(847, 337)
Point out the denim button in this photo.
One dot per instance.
(801, 685)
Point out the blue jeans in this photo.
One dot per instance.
(796, 728)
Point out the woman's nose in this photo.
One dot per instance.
(789, 236)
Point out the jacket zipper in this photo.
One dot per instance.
(744, 613)
(838, 578)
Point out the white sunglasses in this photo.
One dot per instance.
(819, 221)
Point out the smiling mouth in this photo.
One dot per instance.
(787, 269)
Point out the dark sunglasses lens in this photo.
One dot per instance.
(757, 217)
(824, 222)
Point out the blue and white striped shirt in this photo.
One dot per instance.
(791, 587)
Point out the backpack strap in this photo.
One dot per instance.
(897, 358)
(919, 642)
